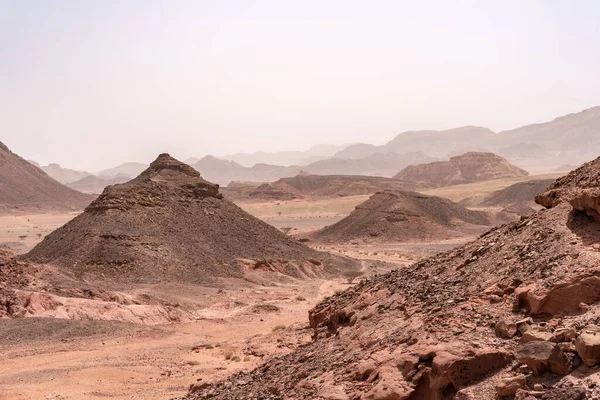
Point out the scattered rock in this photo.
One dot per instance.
(588, 345)
(543, 356)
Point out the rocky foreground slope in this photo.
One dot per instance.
(514, 314)
(392, 216)
(469, 167)
(170, 225)
(26, 188)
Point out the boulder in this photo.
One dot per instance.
(543, 356)
(588, 345)
(509, 386)
(505, 328)
(536, 334)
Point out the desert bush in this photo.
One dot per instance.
(236, 359)
(300, 298)
(278, 328)
(351, 275)
(228, 354)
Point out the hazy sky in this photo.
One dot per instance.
(90, 84)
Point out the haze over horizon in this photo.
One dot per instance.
(92, 85)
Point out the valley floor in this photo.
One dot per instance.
(240, 327)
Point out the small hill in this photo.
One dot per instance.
(170, 225)
(325, 186)
(511, 315)
(469, 167)
(521, 192)
(403, 216)
(64, 175)
(26, 188)
(95, 185)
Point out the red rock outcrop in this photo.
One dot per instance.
(431, 331)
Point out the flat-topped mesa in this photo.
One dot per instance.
(580, 188)
(468, 167)
(166, 180)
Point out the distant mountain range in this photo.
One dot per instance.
(545, 147)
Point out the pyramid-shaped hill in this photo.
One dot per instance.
(169, 224)
(465, 168)
(26, 188)
(392, 216)
(511, 315)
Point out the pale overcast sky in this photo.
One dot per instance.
(91, 84)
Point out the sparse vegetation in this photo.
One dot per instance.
(300, 298)
(22, 237)
(280, 327)
(351, 275)
(228, 354)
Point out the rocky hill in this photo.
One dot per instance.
(469, 167)
(26, 188)
(170, 225)
(524, 192)
(404, 216)
(512, 315)
(325, 186)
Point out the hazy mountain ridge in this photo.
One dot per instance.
(567, 140)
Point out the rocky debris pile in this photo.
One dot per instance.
(406, 216)
(469, 167)
(580, 187)
(326, 186)
(26, 188)
(511, 315)
(170, 225)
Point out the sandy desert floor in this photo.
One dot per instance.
(61, 359)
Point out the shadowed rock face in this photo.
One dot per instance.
(169, 224)
(26, 188)
(469, 167)
(467, 324)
